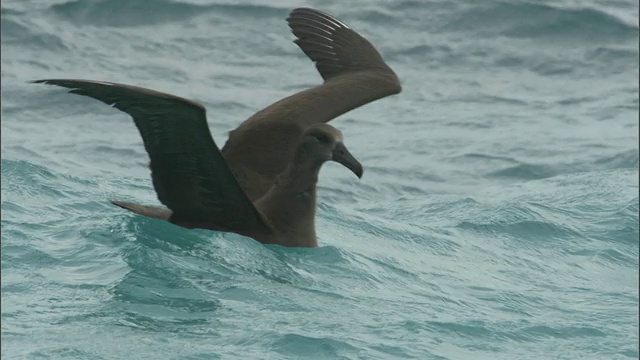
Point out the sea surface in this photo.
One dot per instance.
(497, 217)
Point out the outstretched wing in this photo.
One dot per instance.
(188, 171)
(354, 74)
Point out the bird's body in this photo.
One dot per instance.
(262, 184)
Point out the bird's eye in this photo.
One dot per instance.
(322, 138)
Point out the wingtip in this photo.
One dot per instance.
(299, 9)
(304, 9)
(46, 81)
(117, 203)
(398, 84)
(317, 14)
(58, 81)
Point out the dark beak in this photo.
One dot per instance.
(344, 157)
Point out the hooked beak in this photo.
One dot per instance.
(344, 157)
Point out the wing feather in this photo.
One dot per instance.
(189, 174)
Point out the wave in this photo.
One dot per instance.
(529, 171)
(16, 32)
(46, 200)
(297, 345)
(613, 54)
(24, 178)
(522, 229)
(543, 21)
(132, 13)
(624, 160)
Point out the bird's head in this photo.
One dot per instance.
(323, 142)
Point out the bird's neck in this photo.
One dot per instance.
(290, 205)
(300, 177)
(297, 186)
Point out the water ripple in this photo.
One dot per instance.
(497, 218)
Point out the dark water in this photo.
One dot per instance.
(497, 218)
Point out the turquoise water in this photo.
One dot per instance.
(497, 217)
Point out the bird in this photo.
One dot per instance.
(262, 183)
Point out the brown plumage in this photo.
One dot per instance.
(263, 182)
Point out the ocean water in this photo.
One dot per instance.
(497, 217)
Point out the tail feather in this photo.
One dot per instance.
(150, 211)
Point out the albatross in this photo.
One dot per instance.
(262, 184)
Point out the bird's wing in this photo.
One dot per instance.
(354, 74)
(189, 174)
